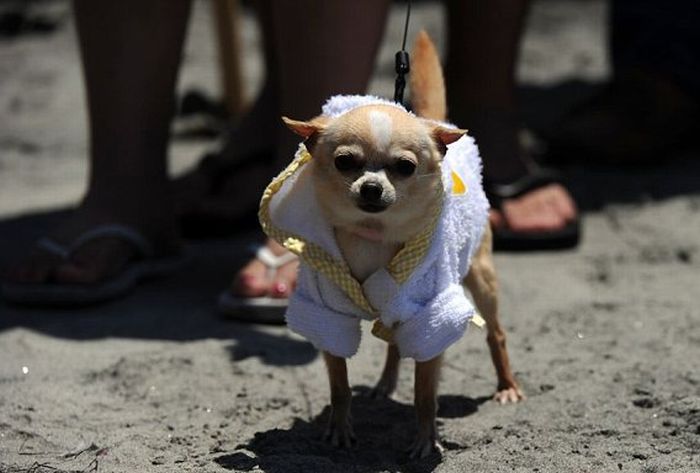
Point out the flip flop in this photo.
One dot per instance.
(217, 172)
(264, 309)
(505, 239)
(145, 265)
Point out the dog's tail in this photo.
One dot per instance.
(427, 82)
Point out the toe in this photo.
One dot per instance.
(247, 286)
(536, 211)
(25, 273)
(250, 282)
(74, 273)
(95, 262)
(496, 219)
(280, 289)
(35, 269)
(561, 200)
(257, 280)
(285, 280)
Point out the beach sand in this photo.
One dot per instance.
(605, 339)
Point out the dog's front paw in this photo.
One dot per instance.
(339, 432)
(425, 446)
(509, 394)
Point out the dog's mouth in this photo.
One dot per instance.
(372, 208)
(369, 229)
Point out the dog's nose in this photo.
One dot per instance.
(371, 191)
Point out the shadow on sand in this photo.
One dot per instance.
(179, 308)
(182, 307)
(384, 429)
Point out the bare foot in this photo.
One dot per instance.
(253, 280)
(549, 208)
(95, 261)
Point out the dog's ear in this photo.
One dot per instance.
(443, 136)
(306, 129)
(447, 135)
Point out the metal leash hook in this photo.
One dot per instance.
(403, 67)
(403, 63)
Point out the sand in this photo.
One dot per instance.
(604, 339)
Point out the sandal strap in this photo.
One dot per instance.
(53, 247)
(115, 230)
(271, 260)
(537, 178)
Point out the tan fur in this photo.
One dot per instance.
(428, 94)
(483, 285)
(339, 431)
(351, 132)
(369, 240)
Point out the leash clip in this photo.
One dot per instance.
(403, 63)
(403, 67)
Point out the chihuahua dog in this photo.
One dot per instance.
(375, 171)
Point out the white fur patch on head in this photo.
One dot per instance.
(381, 126)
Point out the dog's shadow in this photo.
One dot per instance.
(384, 429)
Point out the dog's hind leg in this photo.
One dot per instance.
(483, 285)
(339, 431)
(390, 375)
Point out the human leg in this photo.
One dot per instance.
(319, 49)
(131, 52)
(480, 74)
(223, 191)
(650, 109)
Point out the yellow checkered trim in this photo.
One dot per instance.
(401, 266)
(315, 256)
(382, 332)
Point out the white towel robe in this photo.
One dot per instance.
(429, 311)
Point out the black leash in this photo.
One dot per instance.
(403, 63)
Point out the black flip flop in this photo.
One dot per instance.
(218, 172)
(146, 264)
(505, 239)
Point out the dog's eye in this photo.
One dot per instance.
(347, 162)
(404, 167)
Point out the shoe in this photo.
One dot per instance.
(145, 265)
(209, 212)
(638, 119)
(505, 239)
(264, 309)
